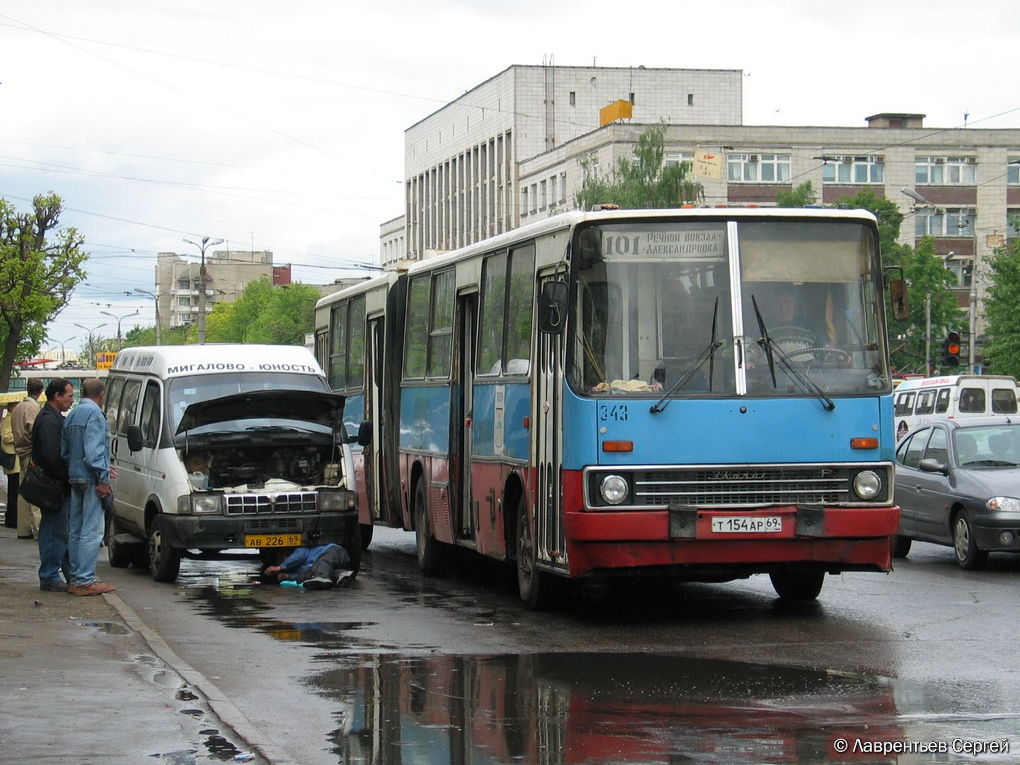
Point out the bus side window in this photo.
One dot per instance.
(972, 400)
(905, 404)
(925, 402)
(1003, 401)
(942, 401)
(129, 405)
(113, 403)
(150, 414)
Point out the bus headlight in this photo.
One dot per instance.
(867, 484)
(614, 489)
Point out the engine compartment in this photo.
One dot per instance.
(250, 467)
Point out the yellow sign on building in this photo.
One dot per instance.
(708, 165)
(618, 110)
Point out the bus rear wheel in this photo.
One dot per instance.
(797, 584)
(535, 586)
(427, 548)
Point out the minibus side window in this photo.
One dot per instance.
(113, 402)
(150, 414)
(972, 400)
(129, 405)
(1003, 401)
(905, 403)
(942, 401)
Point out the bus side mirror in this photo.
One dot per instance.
(900, 304)
(134, 438)
(365, 433)
(552, 308)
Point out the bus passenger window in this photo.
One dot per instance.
(942, 401)
(972, 400)
(1003, 401)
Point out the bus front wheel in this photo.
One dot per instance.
(535, 586)
(794, 584)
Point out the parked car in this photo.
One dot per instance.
(958, 483)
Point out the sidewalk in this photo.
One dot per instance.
(77, 685)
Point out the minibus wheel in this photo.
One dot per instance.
(120, 555)
(164, 560)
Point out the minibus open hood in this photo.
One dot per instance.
(301, 405)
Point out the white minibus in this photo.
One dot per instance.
(920, 400)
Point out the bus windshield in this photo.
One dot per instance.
(759, 308)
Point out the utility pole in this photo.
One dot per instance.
(155, 300)
(91, 348)
(206, 242)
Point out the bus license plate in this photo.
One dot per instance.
(742, 524)
(272, 540)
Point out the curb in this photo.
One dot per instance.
(225, 709)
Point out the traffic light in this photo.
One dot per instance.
(951, 349)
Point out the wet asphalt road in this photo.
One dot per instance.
(399, 669)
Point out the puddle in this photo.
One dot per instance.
(110, 628)
(555, 708)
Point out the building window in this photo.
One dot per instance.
(632, 99)
(962, 270)
(573, 98)
(563, 186)
(552, 190)
(945, 222)
(534, 197)
(524, 201)
(1013, 221)
(690, 99)
(678, 157)
(1013, 171)
(945, 171)
(543, 199)
(184, 302)
(860, 169)
(758, 168)
(184, 284)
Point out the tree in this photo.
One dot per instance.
(171, 336)
(1001, 349)
(40, 267)
(802, 196)
(265, 314)
(641, 182)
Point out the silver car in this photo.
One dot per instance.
(958, 483)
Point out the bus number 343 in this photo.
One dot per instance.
(616, 412)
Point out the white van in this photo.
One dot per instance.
(920, 400)
(225, 446)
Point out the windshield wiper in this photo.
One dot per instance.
(771, 347)
(708, 354)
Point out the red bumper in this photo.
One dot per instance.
(837, 538)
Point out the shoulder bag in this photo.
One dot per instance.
(40, 490)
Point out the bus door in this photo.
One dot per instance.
(461, 419)
(373, 412)
(548, 418)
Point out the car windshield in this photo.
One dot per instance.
(185, 391)
(987, 446)
(657, 302)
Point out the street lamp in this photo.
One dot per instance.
(119, 318)
(206, 242)
(91, 347)
(155, 301)
(63, 357)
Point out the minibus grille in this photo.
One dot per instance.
(258, 504)
(750, 486)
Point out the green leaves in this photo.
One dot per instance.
(642, 182)
(1001, 349)
(40, 266)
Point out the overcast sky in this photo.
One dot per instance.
(279, 125)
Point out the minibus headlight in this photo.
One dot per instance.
(340, 499)
(867, 484)
(200, 504)
(614, 489)
(1004, 504)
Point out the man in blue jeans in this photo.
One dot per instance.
(87, 450)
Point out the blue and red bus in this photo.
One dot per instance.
(697, 393)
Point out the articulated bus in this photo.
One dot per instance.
(697, 393)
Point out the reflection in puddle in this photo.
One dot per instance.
(110, 628)
(588, 708)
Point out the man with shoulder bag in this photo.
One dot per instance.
(47, 432)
